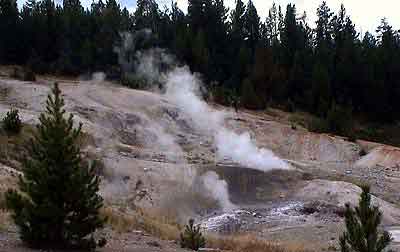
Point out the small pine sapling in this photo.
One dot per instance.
(192, 238)
(12, 123)
(362, 224)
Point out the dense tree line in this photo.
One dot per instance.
(277, 61)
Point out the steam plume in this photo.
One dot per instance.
(218, 189)
(182, 87)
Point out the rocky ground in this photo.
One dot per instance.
(133, 241)
(151, 155)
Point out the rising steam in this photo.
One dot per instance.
(217, 189)
(182, 87)
(241, 149)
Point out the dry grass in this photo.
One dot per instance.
(160, 227)
(302, 119)
(118, 221)
(4, 93)
(166, 229)
(7, 70)
(250, 243)
(155, 225)
(276, 113)
(2, 201)
(5, 220)
(12, 146)
(85, 139)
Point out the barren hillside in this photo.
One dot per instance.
(154, 158)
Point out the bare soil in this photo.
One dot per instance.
(134, 241)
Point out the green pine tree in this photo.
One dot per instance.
(57, 205)
(362, 223)
(321, 90)
(250, 97)
(12, 123)
(237, 23)
(252, 26)
(192, 238)
(9, 29)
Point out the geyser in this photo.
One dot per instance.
(183, 88)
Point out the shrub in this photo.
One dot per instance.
(221, 95)
(36, 64)
(29, 75)
(369, 132)
(132, 81)
(362, 153)
(290, 106)
(300, 120)
(250, 98)
(192, 238)
(138, 82)
(57, 205)
(11, 122)
(24, 74)
(352, 138)
(318, 125)
(2, 202)
(362, 223)
(4, 92)
(339, 121)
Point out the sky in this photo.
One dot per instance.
(366, 14)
